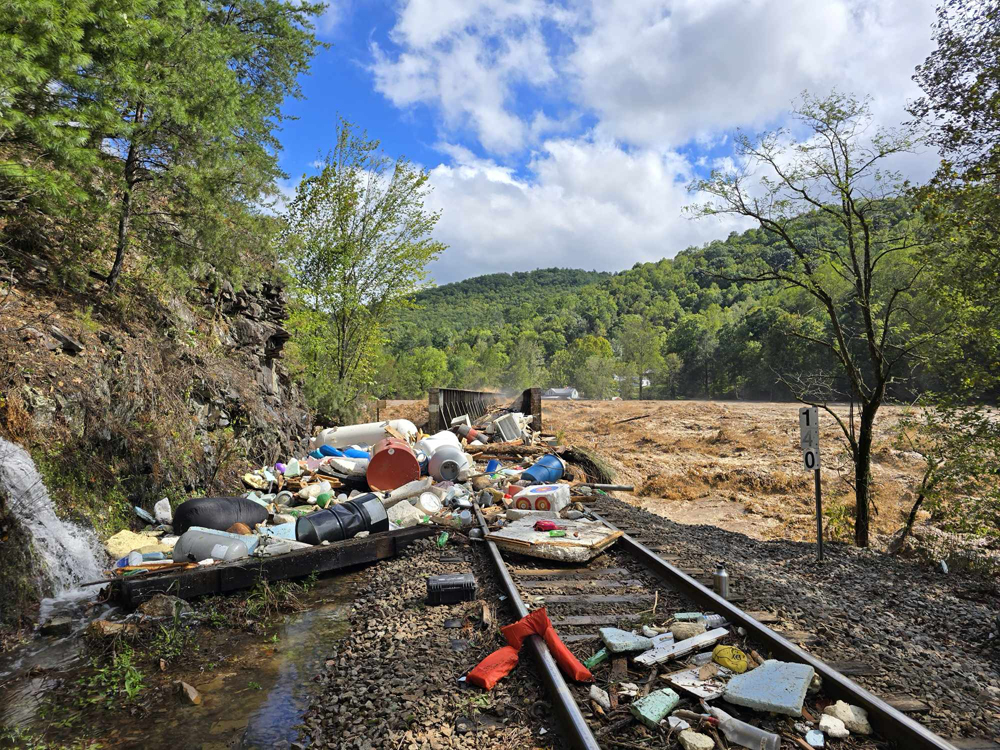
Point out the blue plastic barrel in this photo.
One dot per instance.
(329, 450)
(546, 470)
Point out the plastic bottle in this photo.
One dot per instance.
(740, 733)
(713, 621)
(369, 433)
(465, 518)
(429, 503)
(195, 545)
(721, 581)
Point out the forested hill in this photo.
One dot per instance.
(683, 319)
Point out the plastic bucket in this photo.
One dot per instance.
(546, 470)
(393, 464)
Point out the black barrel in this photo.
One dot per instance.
(363, 513)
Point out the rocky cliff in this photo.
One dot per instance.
(153, 393)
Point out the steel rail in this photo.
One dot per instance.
(577, 732)
(890, 723)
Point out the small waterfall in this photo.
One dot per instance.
(70, 554)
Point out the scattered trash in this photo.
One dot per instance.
(652, 709)
(451, 588)
(747, 735)
(684, 630)
(546, 470)
(600, 697)
(198, 544)
(814, 738)
(681, 648)
(599, 658)
(584, 540)
(720, 581)
(619, 641)
(217, 513)
(343, 521)
(707, 688)
(550, 497)
(393, 464)
(854, 718)
(775, 686)
(731, 658)
(162, 512)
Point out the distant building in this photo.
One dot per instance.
(562, 394)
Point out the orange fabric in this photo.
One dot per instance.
(534, 623)
(569, 665)
(493, 668)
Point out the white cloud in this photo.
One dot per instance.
(649, 77)
(665, 73)
(465, 58)
(333, 15)
(588, 204)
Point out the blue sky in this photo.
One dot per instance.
(565, 133)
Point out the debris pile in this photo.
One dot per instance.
(364, 479)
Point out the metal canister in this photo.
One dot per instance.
(393, 464)
(720, 581)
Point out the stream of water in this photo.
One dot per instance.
(258, 704)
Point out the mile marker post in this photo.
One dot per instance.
(809, 437)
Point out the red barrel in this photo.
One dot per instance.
(393, 464)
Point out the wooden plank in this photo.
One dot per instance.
(852, 668)
(596, 599)
(571, 585)
(602, 620)
(241, 574)
(568, 573)
(906, 704)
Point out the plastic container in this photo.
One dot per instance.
(431, 443)
(393, 464)
(429, 503)
(447, 463)
(451, 588)
(550, 497)
(471, 433)
(546, 470)
(195, 545)
(329, 450)
(343, 521)
(740, 733)
(493, 465)
(368, 433)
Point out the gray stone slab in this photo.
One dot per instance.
(774, 686)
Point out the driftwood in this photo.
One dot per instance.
(590, 461)
(511, 449)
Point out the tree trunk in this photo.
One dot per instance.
(124, 218)
(863, 474)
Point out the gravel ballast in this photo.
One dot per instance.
(926, 634)
(393, 681)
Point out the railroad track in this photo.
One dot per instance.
(632, 585)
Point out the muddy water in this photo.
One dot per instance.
(255, 700)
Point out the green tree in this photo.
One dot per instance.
(639, 344)
(863, 273)
(357, 243)
(597, 377)
(417, 371)
(526, 365)
(177, 101)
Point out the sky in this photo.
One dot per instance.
(565, 134)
